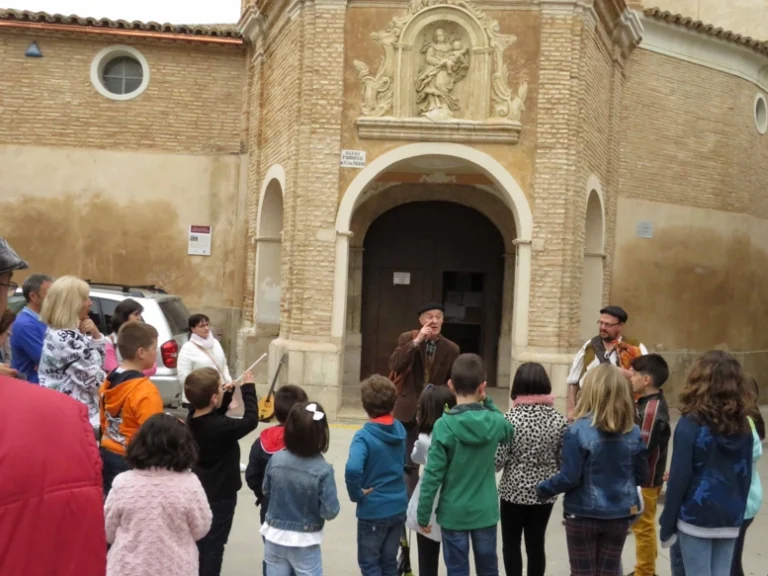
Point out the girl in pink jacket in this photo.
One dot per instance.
(156, 512)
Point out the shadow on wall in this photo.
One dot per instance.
(100, 239)
(689, 290)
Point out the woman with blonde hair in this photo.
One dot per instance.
(73, 349)
(603, 462)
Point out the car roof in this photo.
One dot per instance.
(123, 291)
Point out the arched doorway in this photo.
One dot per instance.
(594, 257)
(269, 256)
(432, 251)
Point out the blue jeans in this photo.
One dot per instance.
(287, 560)
(676, 560)
(264, 562)
(377, 544)
(456, 551)
(706, 556)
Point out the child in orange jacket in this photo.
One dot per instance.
(127, 398)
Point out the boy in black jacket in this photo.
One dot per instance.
(218, 465)
(269, 442)
(649, 373)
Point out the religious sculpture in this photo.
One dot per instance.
(443, 77)
(445, 64)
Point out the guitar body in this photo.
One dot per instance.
(267, 408)
(267, 404)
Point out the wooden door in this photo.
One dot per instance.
(430, 244)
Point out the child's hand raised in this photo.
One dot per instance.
(248, 378)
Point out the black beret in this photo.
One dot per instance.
(431, 306)
(617, 312)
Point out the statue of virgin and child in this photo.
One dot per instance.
(445, 64)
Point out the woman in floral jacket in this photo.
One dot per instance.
(73, 349)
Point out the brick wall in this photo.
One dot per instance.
(688, 137)
(193, 103)
(298, 126)
(694, 165)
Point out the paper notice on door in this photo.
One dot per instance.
(401, 279)
(455, 311)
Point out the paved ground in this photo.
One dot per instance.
(245, 550)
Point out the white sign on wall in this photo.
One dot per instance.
(401, 279)
(644, 229)
(199, 241)
(353, 158)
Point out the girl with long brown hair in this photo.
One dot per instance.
(711, 468)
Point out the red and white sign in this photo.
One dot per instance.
(199, 241)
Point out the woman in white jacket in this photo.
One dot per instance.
(74, 349)
(202, 351)
(434, 401)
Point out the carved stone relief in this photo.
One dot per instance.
(442, 78)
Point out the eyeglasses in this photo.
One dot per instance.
(203, 325)
(606, 324)
(11, 287)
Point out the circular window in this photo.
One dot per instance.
(761, 113)
(120, 73)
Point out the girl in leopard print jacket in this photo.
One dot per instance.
(531, 457)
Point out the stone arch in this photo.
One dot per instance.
(594, 258)
(269, 238)
(509, 192)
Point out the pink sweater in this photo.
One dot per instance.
(153, 519)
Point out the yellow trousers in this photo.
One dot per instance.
(645, 534)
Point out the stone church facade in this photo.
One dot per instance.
(522, 162)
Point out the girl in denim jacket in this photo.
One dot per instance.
(301, 489)
(603, 462)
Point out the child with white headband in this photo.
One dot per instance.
(301, 489)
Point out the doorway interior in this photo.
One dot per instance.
(432, 251)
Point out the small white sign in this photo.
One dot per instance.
(353, 158)
(644, 229)
(199, 241)
(401, 279)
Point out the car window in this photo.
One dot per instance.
(95, 315)
(16, 303)
(176, 314)
(108, 310)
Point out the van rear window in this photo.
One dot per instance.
(176, 314)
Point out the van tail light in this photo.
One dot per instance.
(169, 352)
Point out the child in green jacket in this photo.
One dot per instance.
(461, 464)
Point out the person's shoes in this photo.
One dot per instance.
(242, 467)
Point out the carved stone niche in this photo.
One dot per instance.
(442, 78)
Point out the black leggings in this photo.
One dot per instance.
(532, 520)
(736, 568)
(429, 555)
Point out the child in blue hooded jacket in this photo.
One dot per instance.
(375, 480)
(711, 470)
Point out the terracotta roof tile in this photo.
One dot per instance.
(220, 30)
(708, 29)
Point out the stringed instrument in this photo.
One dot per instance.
(267, 404)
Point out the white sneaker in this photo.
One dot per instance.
(242, 467)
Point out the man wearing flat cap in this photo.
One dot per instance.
(422, 357)
(609, 346)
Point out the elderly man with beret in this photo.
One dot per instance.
(422, 357)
